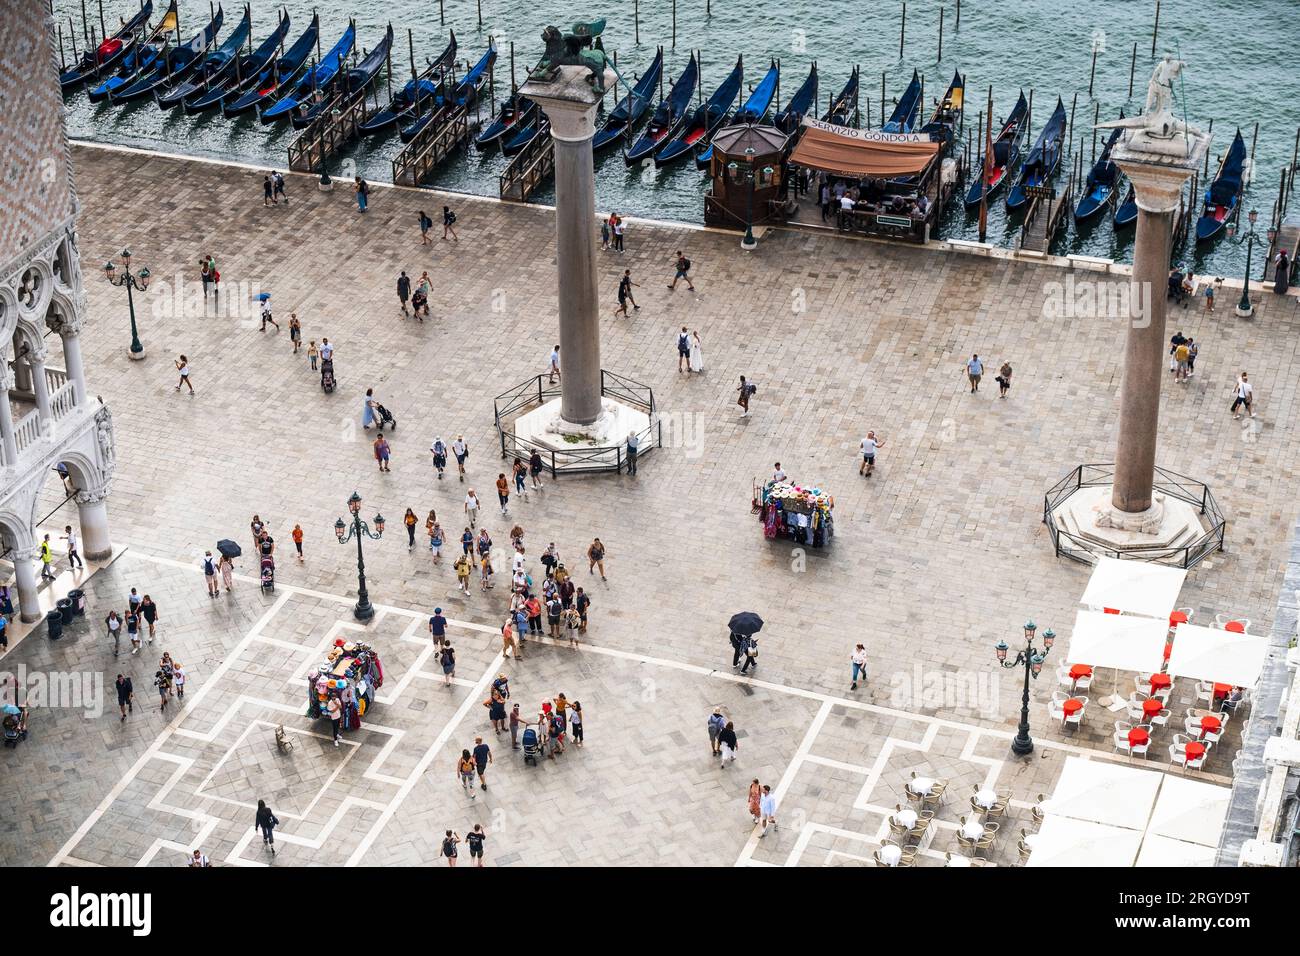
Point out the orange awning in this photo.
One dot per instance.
(863, 154)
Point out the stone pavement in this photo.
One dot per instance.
(935, 558)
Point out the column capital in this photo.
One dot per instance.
(6, 376)
(569, 101)
(38, 356)
(92, 496)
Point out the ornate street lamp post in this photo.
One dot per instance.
(364, 610)
(1244, 308)
(137, 280)
(1032, 661)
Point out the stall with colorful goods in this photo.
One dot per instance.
(796, 513)
(351, 674)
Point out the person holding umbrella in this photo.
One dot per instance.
(743, 627)
(229, 551)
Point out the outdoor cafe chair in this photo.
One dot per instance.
(891, 854)
(976, 836)
(1125, 744)
(1239, 625)
(989, 803)
(1143, 684)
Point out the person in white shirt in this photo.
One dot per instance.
(869, 446)
(74, 559)
(555, 365)
(517, 561)
(1245, 396)
(859, 659)
(778, 473)
(471, 507)
(461, 451)
(326, 350)
(767, 808)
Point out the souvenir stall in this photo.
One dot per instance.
(795, 513)
(351, 673)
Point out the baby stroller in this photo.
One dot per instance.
(268, 573)
(327, 375)
(532, 749)
(385, 418)
(15, 726)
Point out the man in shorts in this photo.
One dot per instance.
(682, 269)
(869, 446)
(683, 350)
(974, 372)
(461, 451)
(1245, 396)
(482, 757)
(475, 840)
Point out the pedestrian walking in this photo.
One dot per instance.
(554, 611)
(697, 354)
(496, 704)
(267, 316)
(438, 628)
(149, 611)
(183, 367)
(463, 567)
(447, 658)
(683, 351)
(114, 625)
(74, 557)
(555, 365)
(449, 845)
(509, 645)
(682, 270)
(625, 285)
(125, 695)
(47, 559)
(738, 645)
(604, 235)
(295, 332)
(633, 446)
(869, 446)
(403, 290)
(727, 744)
(313, 353)
(751, 655)
(363, 194)
(210, 573)
(449, 224)
(461, 451)
(1192, 351)
(326, 350)
(436, 539)
(179, 677)
(227, 568)
(859, 660)
(425, 225)
(467, 542)
(1004, 379)
(278, 182)
(550, 558)
(465, 771)
(1245, 396)
(519, 471)
(471, 507)
(1209, 296)
(582, 602)
(296, 535)
(164, 689)
(596, 557)
(516, 724)
(485, 572)
(482, 758)
(619, 228)
(266, 822)
(535, 467)
(503, 493)
(439, 451)
(411, 522)
(334, 710)
(268, 197)
(753, 802)
(1181, 356)
(382, 452)
(475, 839)
(199, 859)
(767, 804)
(974, 372)
(716, 724)
(575, 724)
(745, 390)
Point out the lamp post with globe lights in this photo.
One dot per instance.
(1032, 661)
(364, 610)
(1244, 308)
(131, 281)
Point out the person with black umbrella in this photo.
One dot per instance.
(229, 551)
(743, 627)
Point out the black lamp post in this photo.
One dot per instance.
(1032, 661)
(1244, 308)
(137, 280)
(364, 610)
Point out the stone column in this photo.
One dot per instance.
(92, 515)
(40, 385)
(570, 102)
(8, 441)
(76, 369)
(29, 604)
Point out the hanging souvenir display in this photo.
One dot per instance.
(351, 673)
(791, 511)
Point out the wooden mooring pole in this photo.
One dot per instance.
(902, 31)
(1132, 66)
(1155, 30)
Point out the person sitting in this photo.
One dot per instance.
(1175, 285)
(923, 205)
(1230, 702)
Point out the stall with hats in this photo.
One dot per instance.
(789, 510)
(351, 673)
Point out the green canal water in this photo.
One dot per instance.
(1240, 56)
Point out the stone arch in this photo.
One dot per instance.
(28, 334)
(61, 316)
(66, 264)
(15, 533)
(8, 313)
(35, 286)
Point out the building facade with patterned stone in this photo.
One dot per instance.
(48, 418)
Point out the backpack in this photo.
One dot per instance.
(208, 567)
(686, 264)
(751, 388)
(451, 218)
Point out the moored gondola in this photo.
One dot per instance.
(315, 84)
(1006, 155)
(754, 110)
(170, 66)
(1126, 213)
(463, 92)
(629, 112)
(1224, 191)
(906, 110)
(214, 69)
(946, 119)
(110, 51)
(140, 57)
(419, 93)
(804, 100)
(1100, 189)
(516, 112)
(843, 106)
(668, 116)
(276, 77)
(705, 120)
(348, 82)
(1043, 160)
(243, 71)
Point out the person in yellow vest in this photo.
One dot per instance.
(47, 558)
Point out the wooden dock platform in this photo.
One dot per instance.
(528, 170)
(328, 133)
(445, 134)
(1046, 216)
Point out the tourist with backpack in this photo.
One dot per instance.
(425, 225)
(746, 390)
(716, 723)
(449, 224)
(683, 269)
(363, 194)
(266, 822)
(210, 573)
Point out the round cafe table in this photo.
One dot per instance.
(1160, 681)
(891, 854)
(1211, 725)
(972, 830)
(959, 861)
(921, 785)
(1152, 706)
(1221, 691)
(1195, 751)
(1078, 671)
(906, 817)
(1137, 736)
(986, 798)
(1072, 706)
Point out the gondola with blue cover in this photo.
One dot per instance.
(804, 99)
(171, 66)
(348, 82)
(111, 50)
(1100, 188)
(140, 57)
(1126, 213)
(842, 107)
(629, 112)
(279, 75)
(314, 85)
(1006, 155)
(418, 93)
(1043, 160)
(668, 116)
(518, 142)
(754, 110)
(516, 113)
(462, 93)
(214, 69)
(242, 73)
(1224, 191)
(705, 120)
(907, 110)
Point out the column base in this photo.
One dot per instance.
(135, 356)
(1243, 313)
(600, 446)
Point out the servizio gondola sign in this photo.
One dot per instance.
(866, 135)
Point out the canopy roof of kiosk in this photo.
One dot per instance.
(863, 154)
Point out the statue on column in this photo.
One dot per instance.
(104, 435)
(579, 47)
(1156, 128)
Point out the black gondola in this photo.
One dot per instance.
(516, 112)
(946, 119)
(1100, 189)
(111, 50)
(906, 110)
(1006, 155)
(277, 76)
(1043, 160)
(629, 112)
(171, 66)
(1224, 192)
(348, 83)
(216, 66)
(418, 93)
(842, 106)
(754, 110)
(1126, 213)
(706, 118)
(804, 100)
(244, 71)
(142, 53)
(668, 116)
